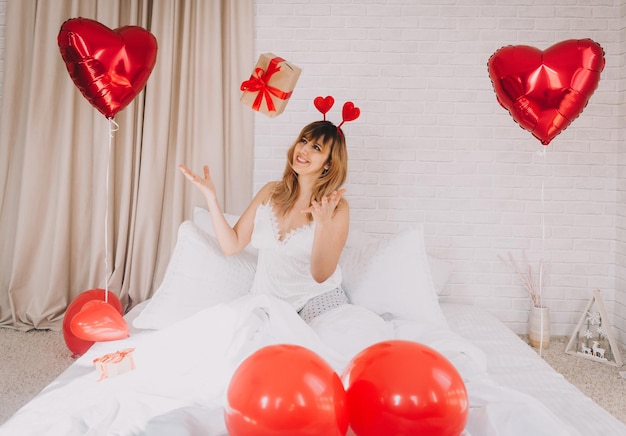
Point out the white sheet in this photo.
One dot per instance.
(512, 363)
(182, 373)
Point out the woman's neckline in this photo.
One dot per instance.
(287, 236)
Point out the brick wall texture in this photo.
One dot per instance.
(434, 146)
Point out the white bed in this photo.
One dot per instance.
(188, 342)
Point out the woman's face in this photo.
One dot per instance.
(310, 156)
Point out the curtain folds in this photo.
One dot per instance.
(54, 151)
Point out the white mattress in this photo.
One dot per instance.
(182, 372)
(513, 363)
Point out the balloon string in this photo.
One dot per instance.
(113, 127)
(543, 154)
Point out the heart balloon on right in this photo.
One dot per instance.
(544, 91)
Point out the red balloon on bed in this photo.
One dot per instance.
(405, 388)
(76, 345)
(285, 390)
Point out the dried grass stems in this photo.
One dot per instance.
(533, 285)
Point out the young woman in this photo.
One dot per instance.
(298, 224)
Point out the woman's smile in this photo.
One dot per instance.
(301, 160)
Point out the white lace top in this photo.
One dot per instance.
(284, 267)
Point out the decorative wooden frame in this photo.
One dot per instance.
(580, 346)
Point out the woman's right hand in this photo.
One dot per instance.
(205, 184)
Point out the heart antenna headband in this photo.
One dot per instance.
(349, 112)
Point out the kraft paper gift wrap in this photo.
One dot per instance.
(271, 84)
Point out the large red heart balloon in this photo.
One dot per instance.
(109, 67)
(99, 321)
(544, 91)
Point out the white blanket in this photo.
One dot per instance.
(182, 373)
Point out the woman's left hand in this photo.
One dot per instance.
(324, 210)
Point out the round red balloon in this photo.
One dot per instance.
(109, 66)
(76, 345)
(285, 390)
(402, 387)
(544, 91)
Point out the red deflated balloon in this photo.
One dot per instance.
(401, 387)
(544, 91)
(75, 344)
(109, 66)
(285, 390)
(98, 321)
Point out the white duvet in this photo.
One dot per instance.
(179, 384)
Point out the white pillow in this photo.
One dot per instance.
(198, 276)
(202, 218)
(441, 270)
(391, 277)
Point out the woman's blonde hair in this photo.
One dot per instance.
(286, 190)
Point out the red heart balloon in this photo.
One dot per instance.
(76, 345)
(109, 67)
(544, 91)
(350, 112)
(99, 321)
(324, 104)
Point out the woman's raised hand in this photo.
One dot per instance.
(205, 184)
(324, 209)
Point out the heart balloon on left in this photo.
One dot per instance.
(109, 66)
(79, 345)
(99, 321)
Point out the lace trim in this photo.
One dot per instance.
(276, 229)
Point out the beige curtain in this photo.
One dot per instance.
(54, 151)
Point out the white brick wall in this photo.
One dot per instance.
(433, 146)
(620, 264)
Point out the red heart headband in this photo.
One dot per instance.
(349, 112)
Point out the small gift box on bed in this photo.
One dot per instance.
(270, 86)
(113, 364)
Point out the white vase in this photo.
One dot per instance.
(539, 327)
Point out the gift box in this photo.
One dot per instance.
(270, 86)
(113, 364)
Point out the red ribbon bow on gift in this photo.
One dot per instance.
(258, 82)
